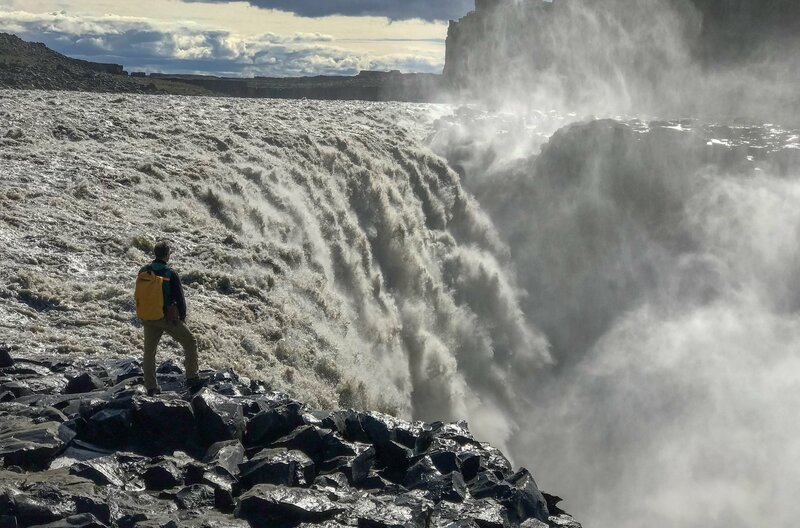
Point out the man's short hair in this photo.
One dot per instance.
(161, 249)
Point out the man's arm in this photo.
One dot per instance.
(177, 295)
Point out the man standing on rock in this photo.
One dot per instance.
(168, 316)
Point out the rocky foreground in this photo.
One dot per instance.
(82, 445)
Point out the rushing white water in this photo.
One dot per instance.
(323, 247)
(611, 301)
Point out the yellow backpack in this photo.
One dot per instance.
(149, 295)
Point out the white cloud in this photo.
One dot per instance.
(141, 43)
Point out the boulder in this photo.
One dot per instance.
(218, 417)
(169, 367)
(32, 445)
(334, 481)
(82, 520)
(84, 383)
(458, 432)
(394, 455)
(449, 487)
(335, 446)
(265, 504)
(17, 388)
(371, 512)
(361, 467)
(102, 471)
(50, 496)
(469, 463)
(223, 485)
(110, 427)
(563, 521)
(494, 460)
(135, 510)
(519, 495)
(525, 501)
(194, 497)
(377, 427)
(533, 523)
(445, 461)
(486, 513)
(346, 422)
(309, 439)
(279, 467)
(163, 475)
(123, 370)
(5, 357)
(226, 455)
(273, 423)
(162, 423)
(552, 504)
(420, 474)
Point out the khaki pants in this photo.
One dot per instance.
(153, 330)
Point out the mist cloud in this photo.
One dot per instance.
(391, 9)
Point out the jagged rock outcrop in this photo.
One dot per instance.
(112, 456)
(32, 65)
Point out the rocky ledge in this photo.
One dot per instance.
(82, 445)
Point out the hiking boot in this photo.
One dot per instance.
(153, 392)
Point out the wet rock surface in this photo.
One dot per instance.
(91, 449)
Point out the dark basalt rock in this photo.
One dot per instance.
(102, 471)
(124, 369)
(420, 474)
(17, 388)
(361, 467)
(83, 383)
(195, 497)
(30, 445)
(519, 495)
(122, 459)
(533, 523)
(218, 417)
(449, 487)
(278, 466)
(5, 358)
(110, 427)
(470, 464)
(445, 461)
(226, 456)
(493, 460)
(168, 367)
(377, 513)
(163, 475)
(525, 500)
(309, 439)
(223, 485)
(394, 456)
(83, 520)
(273, 423)
(486, 514)
(163, 423)
(265, 504)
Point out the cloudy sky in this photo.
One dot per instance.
(242, 38)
